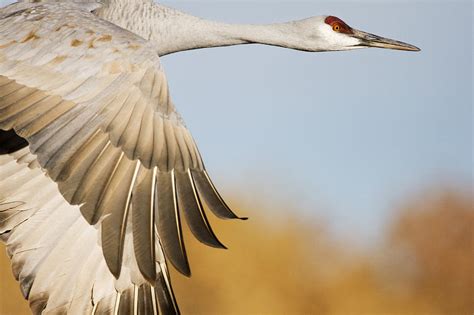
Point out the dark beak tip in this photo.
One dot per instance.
(412, 48)
(403, 46)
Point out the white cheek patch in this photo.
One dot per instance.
(335, 40)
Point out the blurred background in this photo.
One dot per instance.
(355, 168)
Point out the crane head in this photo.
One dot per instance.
(340, 36)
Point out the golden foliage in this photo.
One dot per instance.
(437, 232)
(275, 265)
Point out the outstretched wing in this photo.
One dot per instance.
(56, 254)
(92, 101)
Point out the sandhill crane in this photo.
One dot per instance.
(97, 168)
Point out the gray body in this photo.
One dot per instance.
(97, 168)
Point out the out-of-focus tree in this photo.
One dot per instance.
(273, 267)
(425, 266)
(434, 236)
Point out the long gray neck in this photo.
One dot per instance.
(173, 31)
(195, 33)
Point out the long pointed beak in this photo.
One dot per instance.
(371, 40)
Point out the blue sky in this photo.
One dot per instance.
(342, 135)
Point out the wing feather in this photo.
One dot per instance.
(190, 204)
(31, 111)
(124, 304)
(209, 193)
(165, 299)
(95, 183)
(143, 227)
(145, 139)
(18, 114)
(116, 206)
(145, 301)
(60, 149)
(168, 222)
(17, 96)
(118, 127)
(170, 157)
(159, 144)
(133, 128)
(9, 89)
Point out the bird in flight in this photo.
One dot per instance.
(97, 168)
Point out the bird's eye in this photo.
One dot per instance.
(338, 25)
